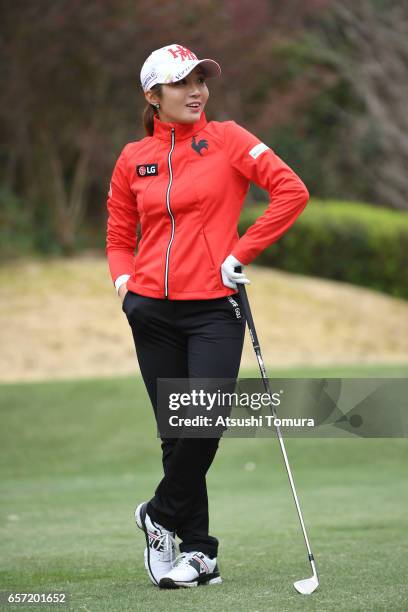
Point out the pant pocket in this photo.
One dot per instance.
(125, 300)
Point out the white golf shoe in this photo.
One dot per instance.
(160, 551)
(191, 569)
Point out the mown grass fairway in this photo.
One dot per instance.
(76, 457)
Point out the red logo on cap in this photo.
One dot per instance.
(182, 52)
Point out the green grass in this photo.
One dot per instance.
(77, 456)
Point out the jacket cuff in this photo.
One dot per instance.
(241, 255)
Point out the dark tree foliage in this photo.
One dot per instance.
(71, 98)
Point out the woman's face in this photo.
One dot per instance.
(184, 101)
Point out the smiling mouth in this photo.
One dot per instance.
(194, 105)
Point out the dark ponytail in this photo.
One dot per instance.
(149, 111)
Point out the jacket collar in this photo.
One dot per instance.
(183, 131)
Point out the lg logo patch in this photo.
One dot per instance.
(147, 170)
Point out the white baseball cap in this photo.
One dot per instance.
(171, 64)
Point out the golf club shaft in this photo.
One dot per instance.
(255, 343)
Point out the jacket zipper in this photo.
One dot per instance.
(173, 222)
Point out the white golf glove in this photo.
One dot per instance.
(230, 278)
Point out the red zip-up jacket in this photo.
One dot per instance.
(186, 185)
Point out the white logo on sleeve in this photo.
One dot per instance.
(258, 149)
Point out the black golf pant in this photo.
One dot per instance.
(185, 339)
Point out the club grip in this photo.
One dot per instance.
(247, 310)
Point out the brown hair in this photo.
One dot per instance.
(149, 111)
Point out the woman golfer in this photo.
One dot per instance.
(185, 184)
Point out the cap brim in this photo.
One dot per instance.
(210, 67)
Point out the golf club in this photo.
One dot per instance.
(308, 585)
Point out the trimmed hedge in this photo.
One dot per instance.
(345, 241)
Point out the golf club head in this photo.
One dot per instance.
(307, 586)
